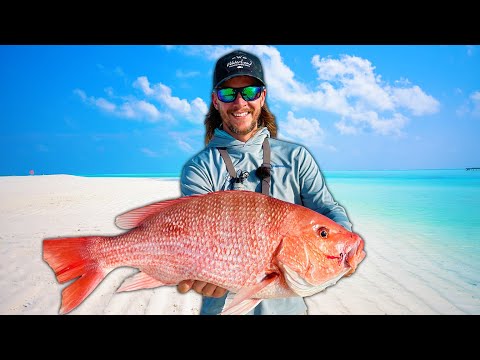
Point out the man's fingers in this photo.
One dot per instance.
(213, 290)
(209, 289)
(201, 287)
(184, 286)
(219, 292)
(198, 286)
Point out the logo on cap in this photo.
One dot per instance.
(239, 62)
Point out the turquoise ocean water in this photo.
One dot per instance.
(436, 213)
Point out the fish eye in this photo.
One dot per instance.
(323, 231)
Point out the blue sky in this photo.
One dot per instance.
(116, 109)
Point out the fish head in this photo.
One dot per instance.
(317, 252)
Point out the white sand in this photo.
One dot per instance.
(396, 277)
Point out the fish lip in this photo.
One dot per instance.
(354, 255)
(350, 255)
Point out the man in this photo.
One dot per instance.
(242, 152)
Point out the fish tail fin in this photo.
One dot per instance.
(70, 258)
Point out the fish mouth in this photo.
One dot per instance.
(354, 256)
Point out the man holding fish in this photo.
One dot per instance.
(242, 152)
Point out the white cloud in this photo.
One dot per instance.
(470, 106)
(187, 141)
(143, 84)
(462, 110)
(184, 146)
(97, 102)
(187, 74)
(104, 104)
(130, 109)
(346, 129)
(149, 153)
(475, 98)
(385, 126)
(150, 110)
(403, 82)
(109, 91)
(194, 111)
(81, 94)
(307, 131)
(210, 52)
(167, 108)
(139, 109)
(199, 109)
(470, 50)
(302, 127)
(163, 94)
(119, 71)
(354, 80)
(416, 100)
(370, 120)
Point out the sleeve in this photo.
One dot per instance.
(315, 194)
(195, 179)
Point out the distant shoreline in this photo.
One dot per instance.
(175, 176)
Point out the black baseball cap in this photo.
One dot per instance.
(237, 63)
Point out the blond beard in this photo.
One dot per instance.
(237, 131)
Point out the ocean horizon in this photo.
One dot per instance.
(365, 173)
(327, 173)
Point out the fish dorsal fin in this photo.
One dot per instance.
(247, 295)
(132, 218)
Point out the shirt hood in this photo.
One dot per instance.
(223, 139)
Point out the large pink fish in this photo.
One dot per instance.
(254, 245)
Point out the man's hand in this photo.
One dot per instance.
(201, 287)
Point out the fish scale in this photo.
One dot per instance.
(254, 245)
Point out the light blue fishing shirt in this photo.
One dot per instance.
(295, 178)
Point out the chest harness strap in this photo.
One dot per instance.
(263, 172)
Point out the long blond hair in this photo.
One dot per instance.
(213, 121)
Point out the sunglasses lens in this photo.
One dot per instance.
(226, 94)
(251, 93)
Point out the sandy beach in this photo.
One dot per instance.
(396, 277)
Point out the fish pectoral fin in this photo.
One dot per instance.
(140, 280)
(245, 300)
